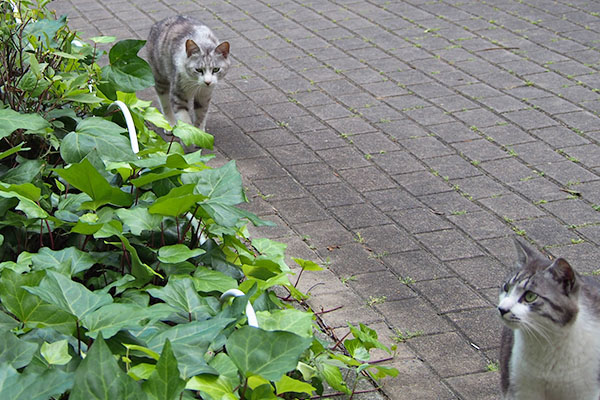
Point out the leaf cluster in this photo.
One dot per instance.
(113, 263)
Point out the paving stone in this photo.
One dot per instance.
(392, 199)
(417, 265)
(448, 354)
(381, 285)
(300, 210)
(413, 315)
(387, 239)
(449, 203)
(512, 207)
(417, 220)
(272, 188)
(367, 179)
(336, 194)
(293, 154)
(351, 259)
(343, 158)
(325, 233)
(512, 169)
(449, 294)
(397, 162)
(480, 272)
(559, 136)
(573, 211)
(480, 150)
(313, 174)
(273, 138)
(356, 216)
(449, 244)
(374, 143)
(453, 132)
(568, 173)
(482, 386)
(546, 231)
(416, 382)
(322, 139)
(480, 225)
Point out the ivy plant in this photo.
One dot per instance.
(113, 263)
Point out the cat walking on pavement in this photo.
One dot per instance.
(550, 347)
(187, 61)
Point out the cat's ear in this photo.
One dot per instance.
(564, 274)
(524, 253)
(191, 47)
(223, 49)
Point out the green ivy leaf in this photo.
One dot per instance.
(307, 265)
(15, 351)
(69, 261)
(96, 133)
(56, 353)
(70, 296)
(367, 337)
(181, 294)
(178, 201)
(165, 383)
(287, 384)
(289, 320)
(190, 342)
(207, 280)
(139, 219)
(33, 385)
(103, 39)
(111, 318)
(177, 253)
(80, 96)
(220, 185)
(25, 172)
(29, 207)
(333, 376)
(126, 71)
(215, 387)
(11, 120)
(190, 135)
(268, 354)
(150, 177)
(28, 308)
(86, 178)
(100, 377)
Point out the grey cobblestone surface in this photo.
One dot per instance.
(403, 143)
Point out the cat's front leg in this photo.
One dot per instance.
(200, 107)
(162, 90)
(180, 105)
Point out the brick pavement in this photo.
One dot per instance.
(401, 143)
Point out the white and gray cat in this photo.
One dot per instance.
(550, 347)
(187, 61)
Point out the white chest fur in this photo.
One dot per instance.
(567, 367)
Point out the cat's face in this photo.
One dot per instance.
(205, 63)
(541, 297)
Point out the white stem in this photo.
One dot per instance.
(130, 125)
(252, 321)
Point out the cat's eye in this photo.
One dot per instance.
(215, 70)
(505, 287)
(530, 297)
(200, 71)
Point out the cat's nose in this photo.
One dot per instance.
(503, 311)
(207, 83)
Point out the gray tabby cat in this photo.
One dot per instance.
(550, 347)
(187, 62)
